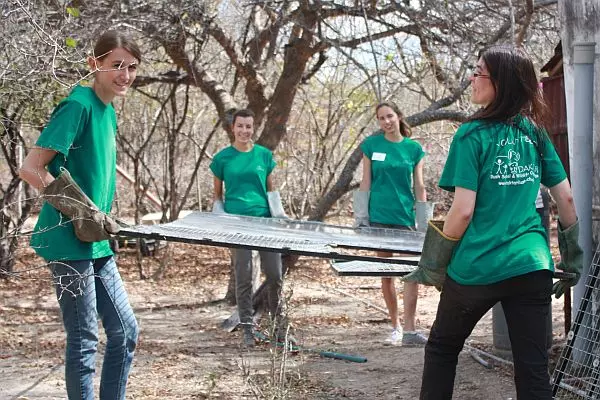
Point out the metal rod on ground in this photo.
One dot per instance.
(472, 350)
(322, 353)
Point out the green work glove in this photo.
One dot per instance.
(435, 257)
(360, 206)
(89, 223)
(571, 255)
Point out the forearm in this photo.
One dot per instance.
(456, 223)
(420, 193)
(39, 178)
(563, 196)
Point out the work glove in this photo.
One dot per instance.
(435, 257)
(275, 206)
(423, 213)
(571, 255)
(89, 223)
(218, 207)
(360, 206)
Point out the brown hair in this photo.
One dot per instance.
(244, 112)
(404, 126)
(517, 90)
(111, 40)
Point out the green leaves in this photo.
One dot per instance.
(73, 12)
(70, 42)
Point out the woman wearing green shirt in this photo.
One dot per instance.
(73, 165)
(392, 168)
(244, 168)
(493, 235)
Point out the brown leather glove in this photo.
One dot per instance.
(90, 224)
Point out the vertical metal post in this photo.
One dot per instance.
(582, 151)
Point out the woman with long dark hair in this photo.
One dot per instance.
(493, 242)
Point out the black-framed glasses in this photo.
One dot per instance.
(480, 75)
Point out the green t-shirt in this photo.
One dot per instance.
(245, 177)
(392, 164)
(500, 162)
(82, 129)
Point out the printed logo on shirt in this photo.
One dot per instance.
(378, 156)
(260, 168)
(509, 168)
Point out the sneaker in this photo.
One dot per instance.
(413, 339)
(395, 337)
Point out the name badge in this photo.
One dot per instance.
(378, 157)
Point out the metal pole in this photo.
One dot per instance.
(582, 151)
(581, 157)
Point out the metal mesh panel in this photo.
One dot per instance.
(285, 236)
(578, 369)
(371, 268)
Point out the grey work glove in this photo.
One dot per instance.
(218, 207)
(89, 223)
(423, 213)
(571, 255)
(275, 206)
(435, 257)
(360, 206)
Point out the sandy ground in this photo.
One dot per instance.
(184, 354)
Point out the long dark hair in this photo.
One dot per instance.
(404, 126)
(111, 40)
(517, 90)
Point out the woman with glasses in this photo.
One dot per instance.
(493, 237)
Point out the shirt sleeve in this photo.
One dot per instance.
(553, 171)
(366, 148)
(216, 166)
(463, 165)
(66, 122)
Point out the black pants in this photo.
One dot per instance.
(525, 300)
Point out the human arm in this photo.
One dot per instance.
(34, 170)
(365, 182)
(561, 193)
(419, 185)
(460, 213)
(217, 206)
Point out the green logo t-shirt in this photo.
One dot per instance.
(392, 164)
(82, 129)
(501, 162)
(245, 177)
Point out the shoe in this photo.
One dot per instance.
(413, 339)
(395, 337)
(248, 337)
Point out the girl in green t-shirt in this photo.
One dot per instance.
(392, 169)
(244, 168)
(73, 165)
(493, 235)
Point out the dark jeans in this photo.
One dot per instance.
(525, 300)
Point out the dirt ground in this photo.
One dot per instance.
(184, 354)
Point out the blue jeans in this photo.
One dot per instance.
(85, 290)
(525, 300)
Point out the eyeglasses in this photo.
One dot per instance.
(480, 75)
